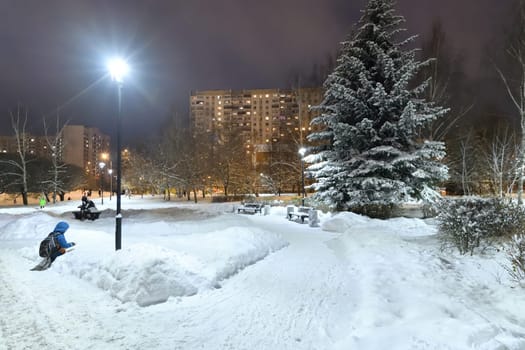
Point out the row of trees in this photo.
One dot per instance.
(22, 173)
(196, 164)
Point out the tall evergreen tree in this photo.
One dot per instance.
(371, 152)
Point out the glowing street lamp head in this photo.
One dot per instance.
(302, 151)
(118, 68)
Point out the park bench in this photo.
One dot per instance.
(302, 213)
(298, 213)
(250, 208)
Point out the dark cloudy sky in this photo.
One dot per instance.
(53, 52)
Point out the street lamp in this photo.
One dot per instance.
(110, 172)
(101, 166)
(118, 68)
(302, 151)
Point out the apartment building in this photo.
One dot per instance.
(80, 145)
(84, 147)
(35, 145)
(264, 118)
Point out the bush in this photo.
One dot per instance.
(223, 199)
(376, 211)
(516, 257)
(473, 222)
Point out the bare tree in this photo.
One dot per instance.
(500, 158)
(516, 88)
(445, 79)
(17, 168)
(54, 142)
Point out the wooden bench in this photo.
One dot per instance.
(250, 208)
(301, 213)
(87, 214)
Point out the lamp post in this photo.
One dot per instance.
(302, 151)
(118, 69)
(110, 172)
(101, 166)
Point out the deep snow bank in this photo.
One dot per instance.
(150, 274)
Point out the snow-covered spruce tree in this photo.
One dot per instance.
(371, 153)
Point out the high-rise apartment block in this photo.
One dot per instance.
(79, 145)
(35, 145)
(84, 147)
(264, 118)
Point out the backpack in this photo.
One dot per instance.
(49, 245)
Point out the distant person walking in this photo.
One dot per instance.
(42, 202)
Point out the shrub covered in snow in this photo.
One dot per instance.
(471, 223)
(516, 257)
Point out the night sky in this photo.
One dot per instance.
(54, 52)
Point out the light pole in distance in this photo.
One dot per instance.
(101, 165)
(302, 151)
(118, 68)
(110, 172)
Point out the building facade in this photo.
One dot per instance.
(84, 147)
(268, 120)
(35, 145)
(79, 145)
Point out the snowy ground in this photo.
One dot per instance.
(201, 277)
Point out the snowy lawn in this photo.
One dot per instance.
(199, 276)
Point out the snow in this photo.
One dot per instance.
(200, 276)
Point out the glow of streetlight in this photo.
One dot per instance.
(118, 68)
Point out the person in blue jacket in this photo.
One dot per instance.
(60, 229)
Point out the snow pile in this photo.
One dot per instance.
(149, 274)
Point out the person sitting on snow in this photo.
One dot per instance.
(86, 206)
(53, 246)
(61, 241)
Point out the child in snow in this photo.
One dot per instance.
(42, 202)
(63, 244)
(53, 246)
